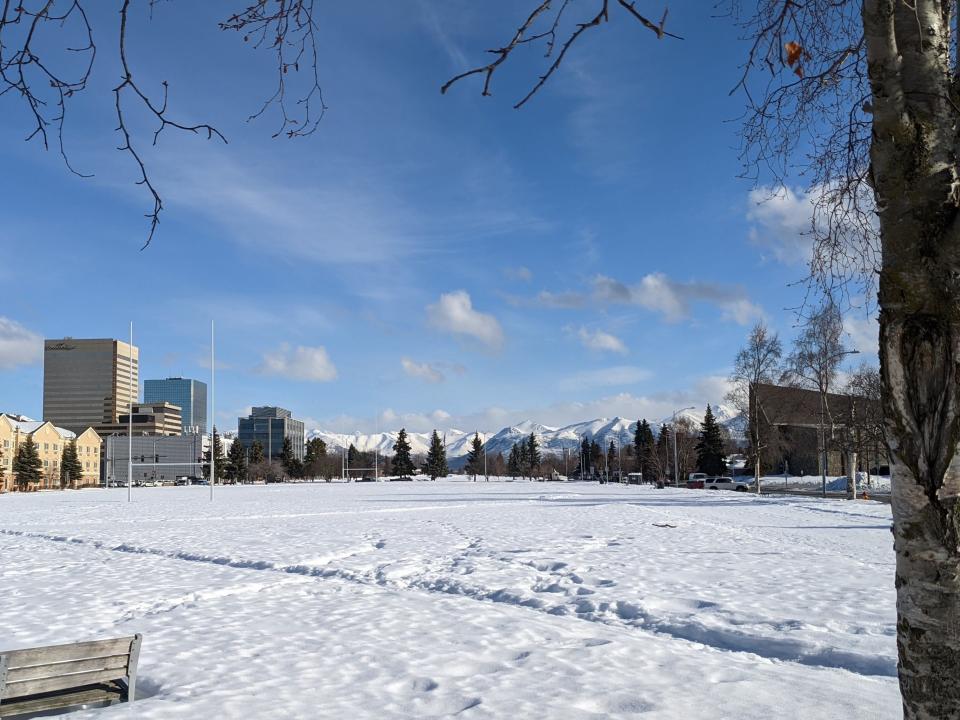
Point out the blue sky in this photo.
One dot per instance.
(421, 260)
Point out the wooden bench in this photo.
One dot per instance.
(101, 672)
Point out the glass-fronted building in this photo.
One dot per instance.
(189, 395)
(269, 426)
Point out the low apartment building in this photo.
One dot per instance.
(49, 441)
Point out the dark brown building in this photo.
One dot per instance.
(790, 419)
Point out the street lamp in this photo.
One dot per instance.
(676, 466)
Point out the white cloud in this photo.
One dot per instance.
(424, 371)
(604, 377)
(300, 363)
(673, 299)
(563, 300)
(864, 332)
(18, 346)
(781, 223)
(519, 272)
(600, 341)
(454, 313)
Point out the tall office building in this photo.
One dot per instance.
(88, 382)
(269, 426)
(189, 395)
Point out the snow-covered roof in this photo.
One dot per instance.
(31, 426)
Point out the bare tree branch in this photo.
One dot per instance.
(26, 65)
(525, 35)
(288, 28)
(158, 111)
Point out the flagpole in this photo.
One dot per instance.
(130, 419)
(213, 417)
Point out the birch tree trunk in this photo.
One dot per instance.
(914, 174)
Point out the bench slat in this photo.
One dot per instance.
(70, 651)
(34, 687)
(98, 694)
(37, 672)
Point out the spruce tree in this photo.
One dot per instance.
(402, 464)
(710, 446)
(3, 470)
(662, 452)
(218, 456)
(596, 456)
(638, 446)
(514, 466)
(291, 465)
(437, 458)
(353, 457)
(71, 470)
(532, 454)
(585, 456)
(256, 453)
(27, 465)
(611, 458)
(316, 450)
(236, 470)
(475, 456)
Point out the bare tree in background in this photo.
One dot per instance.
(757, 362)
(818, 353)
(864, 382)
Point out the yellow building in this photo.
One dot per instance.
(50, 441)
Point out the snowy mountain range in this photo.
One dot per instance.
(552, 440)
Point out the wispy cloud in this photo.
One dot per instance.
(600, 341)
(301, 363)
(518, 272)
(604, 377)
(673, 299)
(423, 371)
(781, 220)
(18, 345)
(454, 313)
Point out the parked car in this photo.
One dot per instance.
(695, 480)
(725, 483)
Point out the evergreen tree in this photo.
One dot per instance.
(313, 460)
(353, 457)
(661, 459)
(611, 458)
(514, 466)
(596, 456)
(437, 458)
(316, 450)
(402, 464)
(710, 446)
(71, 470)
(27, 465)
(475, 456)
(220, 463)
(585, 457)
(644, 449)
(532, 454)
(256, 453)
(291, 465)
(236, 470)
(2, 469)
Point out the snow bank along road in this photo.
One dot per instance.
(483, 600)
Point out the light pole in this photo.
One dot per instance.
(676, 466)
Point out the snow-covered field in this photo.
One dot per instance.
(487, 600)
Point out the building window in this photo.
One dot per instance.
(46, 447)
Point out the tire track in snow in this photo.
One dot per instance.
(617, 613)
